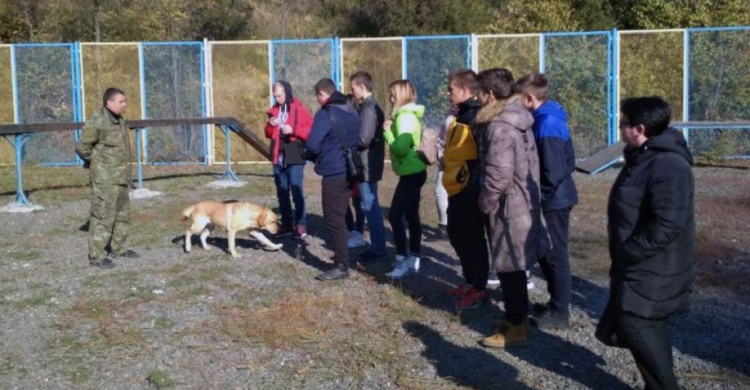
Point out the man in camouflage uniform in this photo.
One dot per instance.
(105, 148)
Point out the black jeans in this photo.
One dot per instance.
(515, 296)
(466, 231)
(405, 203)
(648, 341)
(336, 193)
(555, 264)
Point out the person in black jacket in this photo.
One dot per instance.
(336, 121)
(372, 150)
(557, 162)
(652, 244)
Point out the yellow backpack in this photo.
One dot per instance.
(460, 148)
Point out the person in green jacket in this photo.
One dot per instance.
(402, 135)
(105, 149)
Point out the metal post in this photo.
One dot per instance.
(228, 174)
(138, 143)
(474, 53)
(686, 83)
(20, 140)
(542, 53)
(404, 64)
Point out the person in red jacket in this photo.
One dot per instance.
(288, 126)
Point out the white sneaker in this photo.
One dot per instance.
(355, 240)
(493, 280)
(404, 266)
(529, 283)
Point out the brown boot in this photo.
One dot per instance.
(508, 335)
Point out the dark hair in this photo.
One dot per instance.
(465, 78)
(535, 84)
(110, 93)
(362, 78)
(498, 81)
(652, 112)
(325, 85)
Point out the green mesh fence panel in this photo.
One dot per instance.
(576, 67)
(173, 80)
(520, 55)
(302, 64)
(45, 95)
(380, 58)
(719, 90)
(111, 65)
(652, 64)
(7, 155)
(240, 81)
(430, 61)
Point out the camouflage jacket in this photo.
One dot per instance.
(106, 146)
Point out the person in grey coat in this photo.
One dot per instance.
(372, 150)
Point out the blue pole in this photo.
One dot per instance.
(228, 174)
(203, 104)
(271, 68)
(20, 140)
(138, 139)
(686, 85)
(542, 53)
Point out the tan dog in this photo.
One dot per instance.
(232, 216)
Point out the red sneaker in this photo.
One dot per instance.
(472, 299)
(459, 291)
(301, 232)
(283, 232)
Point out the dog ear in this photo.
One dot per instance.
(262, 218)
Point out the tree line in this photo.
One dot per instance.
(182, 20)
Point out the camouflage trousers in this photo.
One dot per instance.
(109, 220)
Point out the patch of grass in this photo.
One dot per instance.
(160, 380)
(164, 323)
(42, 298)
(140, 295)
(79, 375)
(182, 281)
(7, 365)
(214, 273)
(94, 309)
(25, 256)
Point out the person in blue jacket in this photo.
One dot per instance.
(325, 148)
(559, 194)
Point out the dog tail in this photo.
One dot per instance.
(188, 212)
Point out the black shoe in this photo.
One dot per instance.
(553, 319)
(339, 271)
(370, 257)
(128, 254)
(440, 235)
(106, 263)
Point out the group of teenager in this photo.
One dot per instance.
(506, 159)
(504, 193)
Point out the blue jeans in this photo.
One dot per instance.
(288, 179)
(371, 207)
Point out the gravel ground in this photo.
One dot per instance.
(203, 320)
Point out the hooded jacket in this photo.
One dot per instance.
(460, 158)
(651, 228)
(403, 139)
(510, 195)
(371, 140)
(323, 145)
(557, 158)
(299, 119)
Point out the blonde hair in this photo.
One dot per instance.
(404, 92)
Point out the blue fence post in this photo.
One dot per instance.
(542, 53)
(139, 163)
(613, 90)
(228, 174)
(686, 83)
(20, 140)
